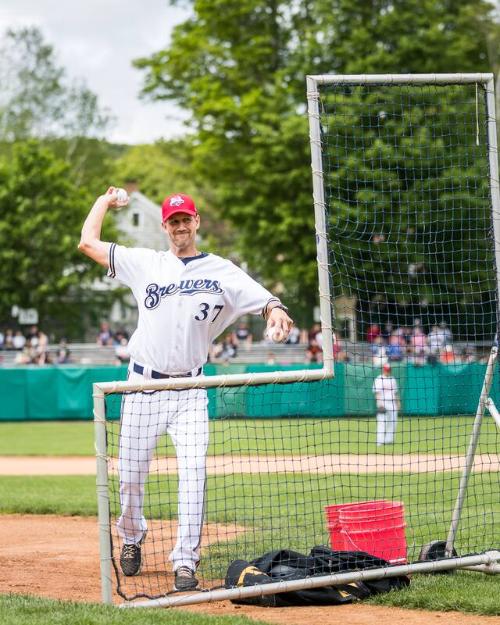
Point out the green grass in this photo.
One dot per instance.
(26, 610)
(293, 508)
(67, 495)
(439, 435)
(462, 591)
(289, 506)
(292, 505)
(47, 438)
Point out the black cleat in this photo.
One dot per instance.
(131, 558)
(185, 579)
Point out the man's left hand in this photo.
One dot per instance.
(278, 319)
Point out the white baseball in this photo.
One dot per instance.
(121, 196)
(276, 335)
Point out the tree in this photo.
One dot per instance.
(42, 214)
(239, 67)
(38, 100)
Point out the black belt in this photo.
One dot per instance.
(157, 375)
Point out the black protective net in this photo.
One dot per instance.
(278, 466)
(282, 462)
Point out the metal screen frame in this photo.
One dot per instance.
(487, 562)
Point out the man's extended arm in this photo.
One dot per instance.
(90, 242)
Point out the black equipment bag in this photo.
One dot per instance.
(286, 565)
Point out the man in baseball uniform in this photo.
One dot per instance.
(385, 389)
(186, 298)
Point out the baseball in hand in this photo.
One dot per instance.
(276, 335)
(121, 197)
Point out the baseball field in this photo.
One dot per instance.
(49, 566)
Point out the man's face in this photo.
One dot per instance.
(181, 229)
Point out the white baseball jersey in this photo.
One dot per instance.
(183, 306)
(387, 388)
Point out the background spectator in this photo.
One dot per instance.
(63, 356)
(18, 340)
(379, 354)
(293, 336)
(32, 335)
(229, 349)
(105, 337)
(435, 343)
(243, 336)
(25, 356)
(387, 331)
(339, 354)
(373, 333)
(8, 339)
(121, 351)
(447, 355)
(395, 351)
(314, 352)
(40, 344)
(418, 346)
(313, 332)
(468, 354)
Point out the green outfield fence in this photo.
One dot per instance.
(50, 393)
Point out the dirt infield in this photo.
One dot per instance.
(57, 557)
(218, 465)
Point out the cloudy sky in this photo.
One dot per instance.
(96, 40)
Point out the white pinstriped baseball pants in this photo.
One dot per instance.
(145, 417)
(386, 426)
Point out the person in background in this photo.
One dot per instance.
(229, 349)
(313, 332)
(18, 340)
(339, 354)
(40, 345)
(435, 343)
(373, 333)
(63, 356)
(105, 336)
(385, 389)
(394, 350)
(8, 342)
(121, 351)
(314, 352)
(379, 354)
(294, 336)
(447, 355)
(242, 336)
(418, 345)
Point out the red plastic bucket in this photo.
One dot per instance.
(334, 528)
(372, 515)
(334, 525)
(377, 527)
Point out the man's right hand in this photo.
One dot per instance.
(111, 197)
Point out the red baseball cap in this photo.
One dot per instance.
(386, 367)
(177, 203)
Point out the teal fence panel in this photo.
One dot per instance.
(420, 393)
(42, 399)
(44, 393)
(13, 392)
(323, 398)
(460, 387)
